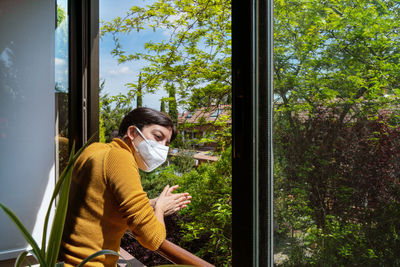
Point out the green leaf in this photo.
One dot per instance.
(21, 259)
(28, 237)
(53, 197)
(56, 191)
(61, 210)
(98, 253)
(58, 221)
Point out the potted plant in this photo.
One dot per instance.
(47, 254)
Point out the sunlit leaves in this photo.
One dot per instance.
(195, 52)
(345, 51)
(336, 88)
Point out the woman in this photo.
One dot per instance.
(107, 197)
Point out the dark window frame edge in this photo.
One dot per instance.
(252, 191)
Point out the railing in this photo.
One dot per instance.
(178, 255)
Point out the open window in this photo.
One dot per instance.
(251, 104)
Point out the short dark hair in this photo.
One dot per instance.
(141, 117)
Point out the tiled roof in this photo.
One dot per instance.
(210, 114)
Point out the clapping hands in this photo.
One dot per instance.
(171, 203)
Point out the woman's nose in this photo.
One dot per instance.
(164, 143)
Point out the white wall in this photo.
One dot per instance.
(26, 116)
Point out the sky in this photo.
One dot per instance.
(115, 75)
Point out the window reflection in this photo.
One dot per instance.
(61, 86)
(336, 146)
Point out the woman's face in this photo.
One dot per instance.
(155, 132)
(158, 133)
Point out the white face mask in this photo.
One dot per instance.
(152, 154)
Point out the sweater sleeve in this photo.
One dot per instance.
(122, 176)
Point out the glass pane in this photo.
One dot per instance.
(175, 56)
(61, 88)
(336, 133)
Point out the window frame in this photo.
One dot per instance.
(252, 109)
(83, 71)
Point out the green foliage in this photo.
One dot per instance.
(162, 106)
(223, 134)
(217, 132)
(184, 161)
(339, 244)
(333, 205)
(182, 142)
(154, 182)
(172, 106)
(112, 111)
(61, 15)
(206, 223)
(336, 53)
(336, 85)
(139, 94)
(208, 218)
(196, 56)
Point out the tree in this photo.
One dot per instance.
(172, 106)
(338, 55)
(61, 15)
(162, 106)
(357, 199)
(336, 67)
(112, 111)
(139, 95)
(196, 58)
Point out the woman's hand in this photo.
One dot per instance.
(153, 202)
(171, 203)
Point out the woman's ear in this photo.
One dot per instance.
(131, 132)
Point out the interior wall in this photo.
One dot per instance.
(26, 116)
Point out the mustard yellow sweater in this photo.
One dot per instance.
(106, 199)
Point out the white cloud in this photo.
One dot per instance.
(60, 61)
(174, 19)
(121, 71)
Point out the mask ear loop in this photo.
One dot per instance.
(134, 146)
(136, 149)
(144, 138)
(133, 143)
(141, 134)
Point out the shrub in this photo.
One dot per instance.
(337, 187)
(205, 225)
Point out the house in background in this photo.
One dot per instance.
(197, 124)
